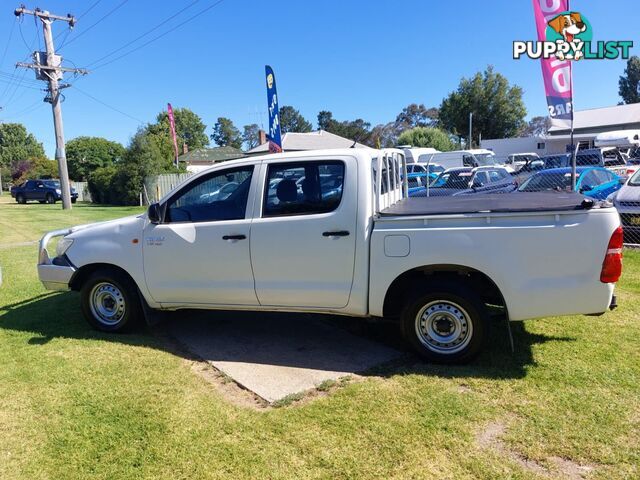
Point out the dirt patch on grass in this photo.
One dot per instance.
(490, 438)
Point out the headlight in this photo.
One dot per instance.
(58, 191)
(63, 246)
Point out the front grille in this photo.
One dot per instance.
(629, 204)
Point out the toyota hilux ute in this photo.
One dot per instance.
(335, 232)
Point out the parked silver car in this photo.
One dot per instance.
(627, 202)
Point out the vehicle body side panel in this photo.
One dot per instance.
(544, 264)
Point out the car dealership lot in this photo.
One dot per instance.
(77, 403)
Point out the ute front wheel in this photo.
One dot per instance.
(110, 301)
(445, 322)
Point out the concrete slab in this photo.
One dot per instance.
(275, 354)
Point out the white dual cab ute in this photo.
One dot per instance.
(335, 232)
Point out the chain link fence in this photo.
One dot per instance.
(601, 175)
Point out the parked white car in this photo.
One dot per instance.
(355, 246)
(478, 157)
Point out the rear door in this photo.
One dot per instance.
(303, 235)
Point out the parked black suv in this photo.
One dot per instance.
(44, 191)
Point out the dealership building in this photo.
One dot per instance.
(587, 125)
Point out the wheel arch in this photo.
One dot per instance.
(406, 281)
(81, 275)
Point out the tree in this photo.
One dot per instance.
(427, 137)
(415, 115)
(251, 135)
(291, 120)
(498, 109)
(147, 154)
(226, 134)
(357, 130)
(325, 118)
(34, 167)
(384, 135)
(16, 143)
(86, 154)
(629, 83)
(190, 128)
(537, 126)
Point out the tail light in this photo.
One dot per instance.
(612, 265)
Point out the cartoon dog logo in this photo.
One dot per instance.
(569, 25)
(269, 81)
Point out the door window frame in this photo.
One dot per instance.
(191, 183)
(259, 211)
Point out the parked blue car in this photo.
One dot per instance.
(594, 182)
(417, 182)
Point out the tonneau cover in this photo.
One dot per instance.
(489, 203)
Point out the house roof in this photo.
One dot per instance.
(607, 117)
(319, 140)
(208, 156)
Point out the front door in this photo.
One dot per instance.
(303, 243)
(199, 254)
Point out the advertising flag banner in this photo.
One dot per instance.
(275, 139)
(172, 126)
(556, 73)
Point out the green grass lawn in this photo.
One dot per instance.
(79, 404)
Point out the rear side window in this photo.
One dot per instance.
(467, 161)
(303, 188)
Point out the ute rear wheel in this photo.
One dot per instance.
(445, 322)
(20, 198)
(110, 301)
(50, 198)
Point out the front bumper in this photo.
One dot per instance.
(53, 276)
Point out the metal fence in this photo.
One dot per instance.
(83, 191)
(598, 179)
(158, 186)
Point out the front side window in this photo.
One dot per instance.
(303, 188)
(218, 196)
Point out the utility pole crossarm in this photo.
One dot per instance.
(37, 66)
(44, 14)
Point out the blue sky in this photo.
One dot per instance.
(365, 59)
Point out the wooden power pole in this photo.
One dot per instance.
(48, 67)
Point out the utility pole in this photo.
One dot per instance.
(48, 67)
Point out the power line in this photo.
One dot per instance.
(215, 4)
(108, 106)
(4, 54)
(96, 23)
(171, 17)
(89, 9)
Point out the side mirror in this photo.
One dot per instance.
(154, 213)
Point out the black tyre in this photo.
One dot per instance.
(110, 301)
(73, 200)
(40, 201)
(445, 322)
(20, 198)
(50, 198)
